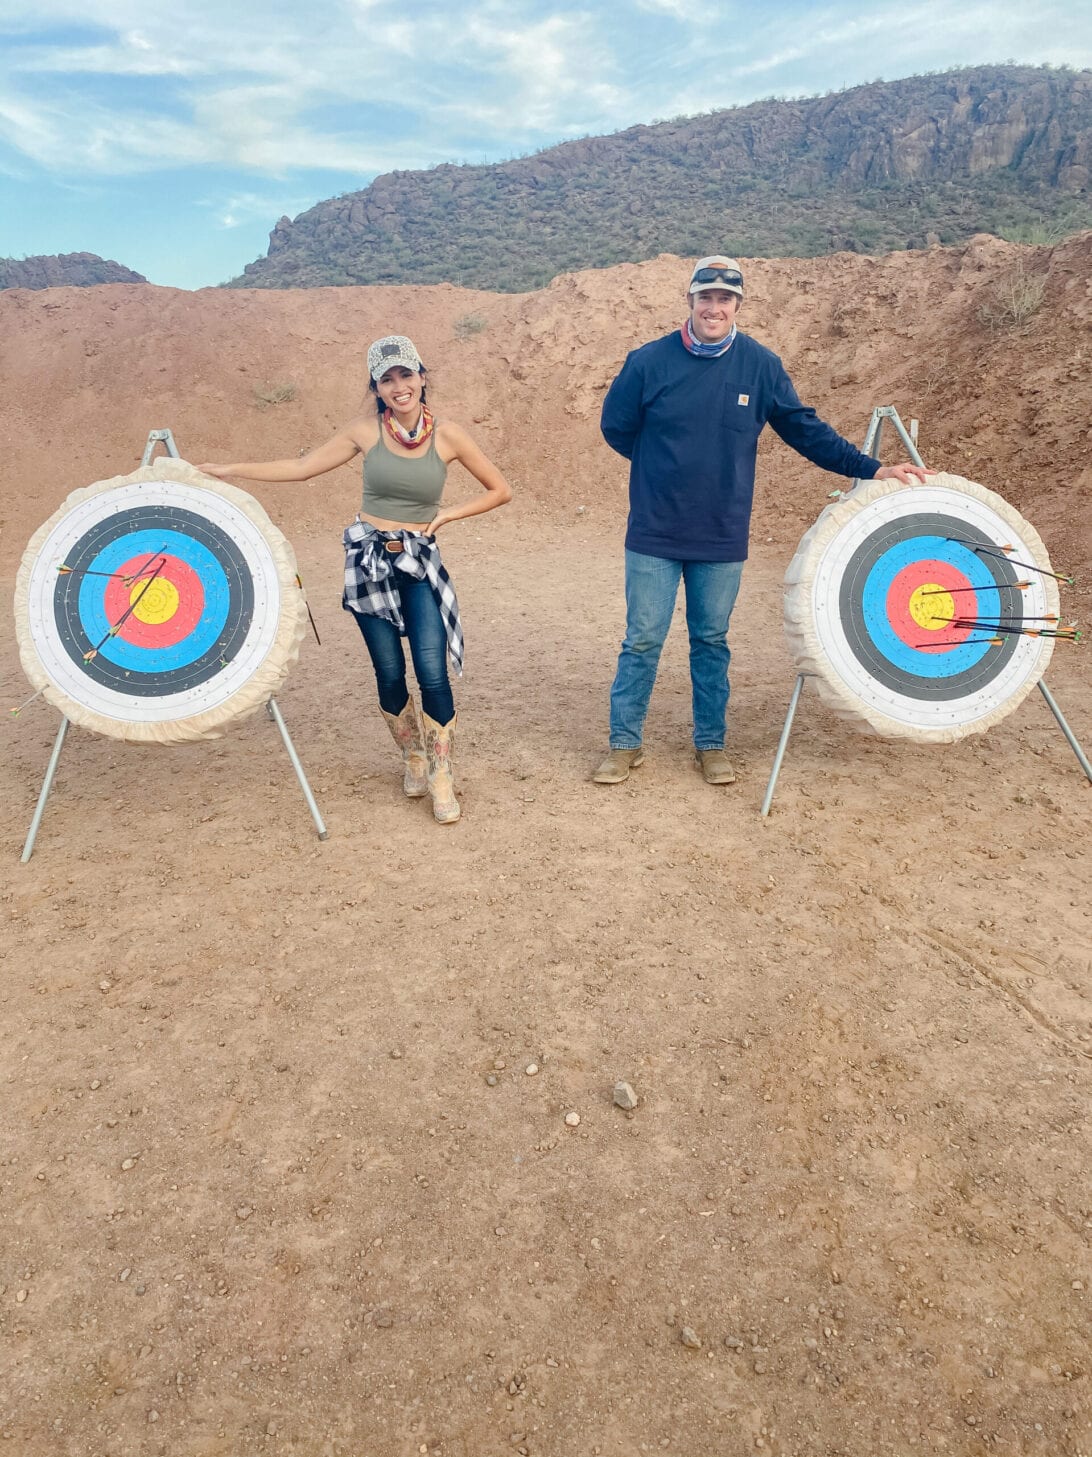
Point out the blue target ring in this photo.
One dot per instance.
(149, 543)
(874, 609)
(83, 622)
(898, 665)
(917, 608)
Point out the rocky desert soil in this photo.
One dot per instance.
(285, 1162)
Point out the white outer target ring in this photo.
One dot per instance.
(260, 565)
(826, 642)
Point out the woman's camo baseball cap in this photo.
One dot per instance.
(393, 352)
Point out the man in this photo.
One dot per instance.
(687, 411)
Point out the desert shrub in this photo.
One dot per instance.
(469, 325)
(1041, 234)
(1045, 232)
(274, 394)
(1013, 299)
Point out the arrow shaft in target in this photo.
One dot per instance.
(127, 578)
(124, 618)
(993, 587)
(1003, 554)
(1062, 632)
(1001, 549)
(958, 642)
(993, 621)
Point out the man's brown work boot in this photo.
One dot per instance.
(616, 766)
(715, 766)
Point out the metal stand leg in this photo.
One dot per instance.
(871, 444)
(1082, 759)
(275, 715)
(160, 437)
(47, 785)
(782, 745)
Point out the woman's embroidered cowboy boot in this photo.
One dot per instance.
(405, 729)
(440, 745)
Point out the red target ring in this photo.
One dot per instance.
(209, 641)
(922, 629)
(169, 606)
(877, 586)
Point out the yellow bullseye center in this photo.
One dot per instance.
(931, 607)
(158, 604)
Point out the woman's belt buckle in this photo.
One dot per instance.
(392, 546)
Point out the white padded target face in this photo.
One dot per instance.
(907, 602)
(159, 606)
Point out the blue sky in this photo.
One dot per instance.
(171, 136)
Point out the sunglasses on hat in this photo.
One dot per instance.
(730, 276)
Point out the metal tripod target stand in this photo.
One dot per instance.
(200, 630)
(925, 612)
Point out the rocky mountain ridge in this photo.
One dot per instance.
(890, 165)
(64, 270)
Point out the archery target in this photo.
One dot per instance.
(882, 595)
(159, 606)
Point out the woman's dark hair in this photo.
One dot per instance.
(381, 408)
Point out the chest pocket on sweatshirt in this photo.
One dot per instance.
(738, 415)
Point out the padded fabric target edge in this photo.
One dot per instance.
(259, 687)
(803, 638)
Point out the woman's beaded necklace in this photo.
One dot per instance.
(411, 439)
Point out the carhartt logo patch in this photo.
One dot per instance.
(744, 400)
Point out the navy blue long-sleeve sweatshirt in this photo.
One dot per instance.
(689, 428)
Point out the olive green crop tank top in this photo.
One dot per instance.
(400, 487)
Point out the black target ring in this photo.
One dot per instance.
(916, 609)
(922, 683)
(184, 530)
(159, 606)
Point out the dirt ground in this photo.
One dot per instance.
(275, 1173)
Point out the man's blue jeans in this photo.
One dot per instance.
(428, 647)
(652, 584)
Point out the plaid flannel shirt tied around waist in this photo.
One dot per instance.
(370, 585)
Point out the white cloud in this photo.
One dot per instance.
(242, 93)
(549, 75)
(131, 56)
(24, 125)
(241, 209)
(347, 85)
(677, 9)
(68, 139)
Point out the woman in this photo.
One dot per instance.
(395, 583)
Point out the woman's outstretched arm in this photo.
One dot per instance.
(336, 451)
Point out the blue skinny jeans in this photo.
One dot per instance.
(428, 649)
